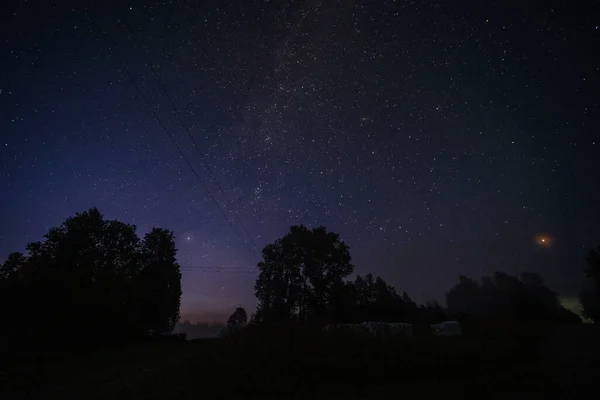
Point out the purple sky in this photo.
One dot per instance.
(437, 140)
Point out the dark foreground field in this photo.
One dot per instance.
(281, 365)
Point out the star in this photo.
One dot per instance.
(431, 138)
(544, 240)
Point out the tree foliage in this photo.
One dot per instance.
(94, 275)
(370, 298)
(299, 273)
(302, 279)
(590, 296)
(505, 298)
(236, 321)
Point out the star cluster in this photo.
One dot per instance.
(438, 139)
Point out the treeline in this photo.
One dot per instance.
(370, 298)
(590, 295)
(89, 279)
(95, 279)
(302, 280)
(502, 301)
(199, 330)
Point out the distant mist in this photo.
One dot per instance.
(199, 330)
(212, 317)
(571, 303)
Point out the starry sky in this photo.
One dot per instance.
(438, 138)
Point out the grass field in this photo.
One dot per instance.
(299, 365)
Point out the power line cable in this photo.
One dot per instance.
(189, 134)
(164, 128)
(221, 270)
(219, 267)
(217, 271)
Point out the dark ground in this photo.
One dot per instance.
(573, 353)
(280, 365)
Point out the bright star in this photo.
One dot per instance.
(544, 240)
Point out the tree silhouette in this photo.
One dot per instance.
(370, 298)
(344, 303)
(11, 266)
(298, 274)
(590, 297)
(159, 281)
(96, 275)
(430, 313)
(506, 300)
(236, 321)
(378, 301)
(10, 289)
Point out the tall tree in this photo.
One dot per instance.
(11, 266)
(95, 275)
(507, 298)
(370, 298)
(299, 273)
(590, 296)
(466, 297)
(378, 301)
(237, 320)
(160, 281)
(11, 301)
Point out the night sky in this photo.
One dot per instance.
(438, 139)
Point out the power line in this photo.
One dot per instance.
(189, 134)
(221, 270)
(218, 267)
(164, 128)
